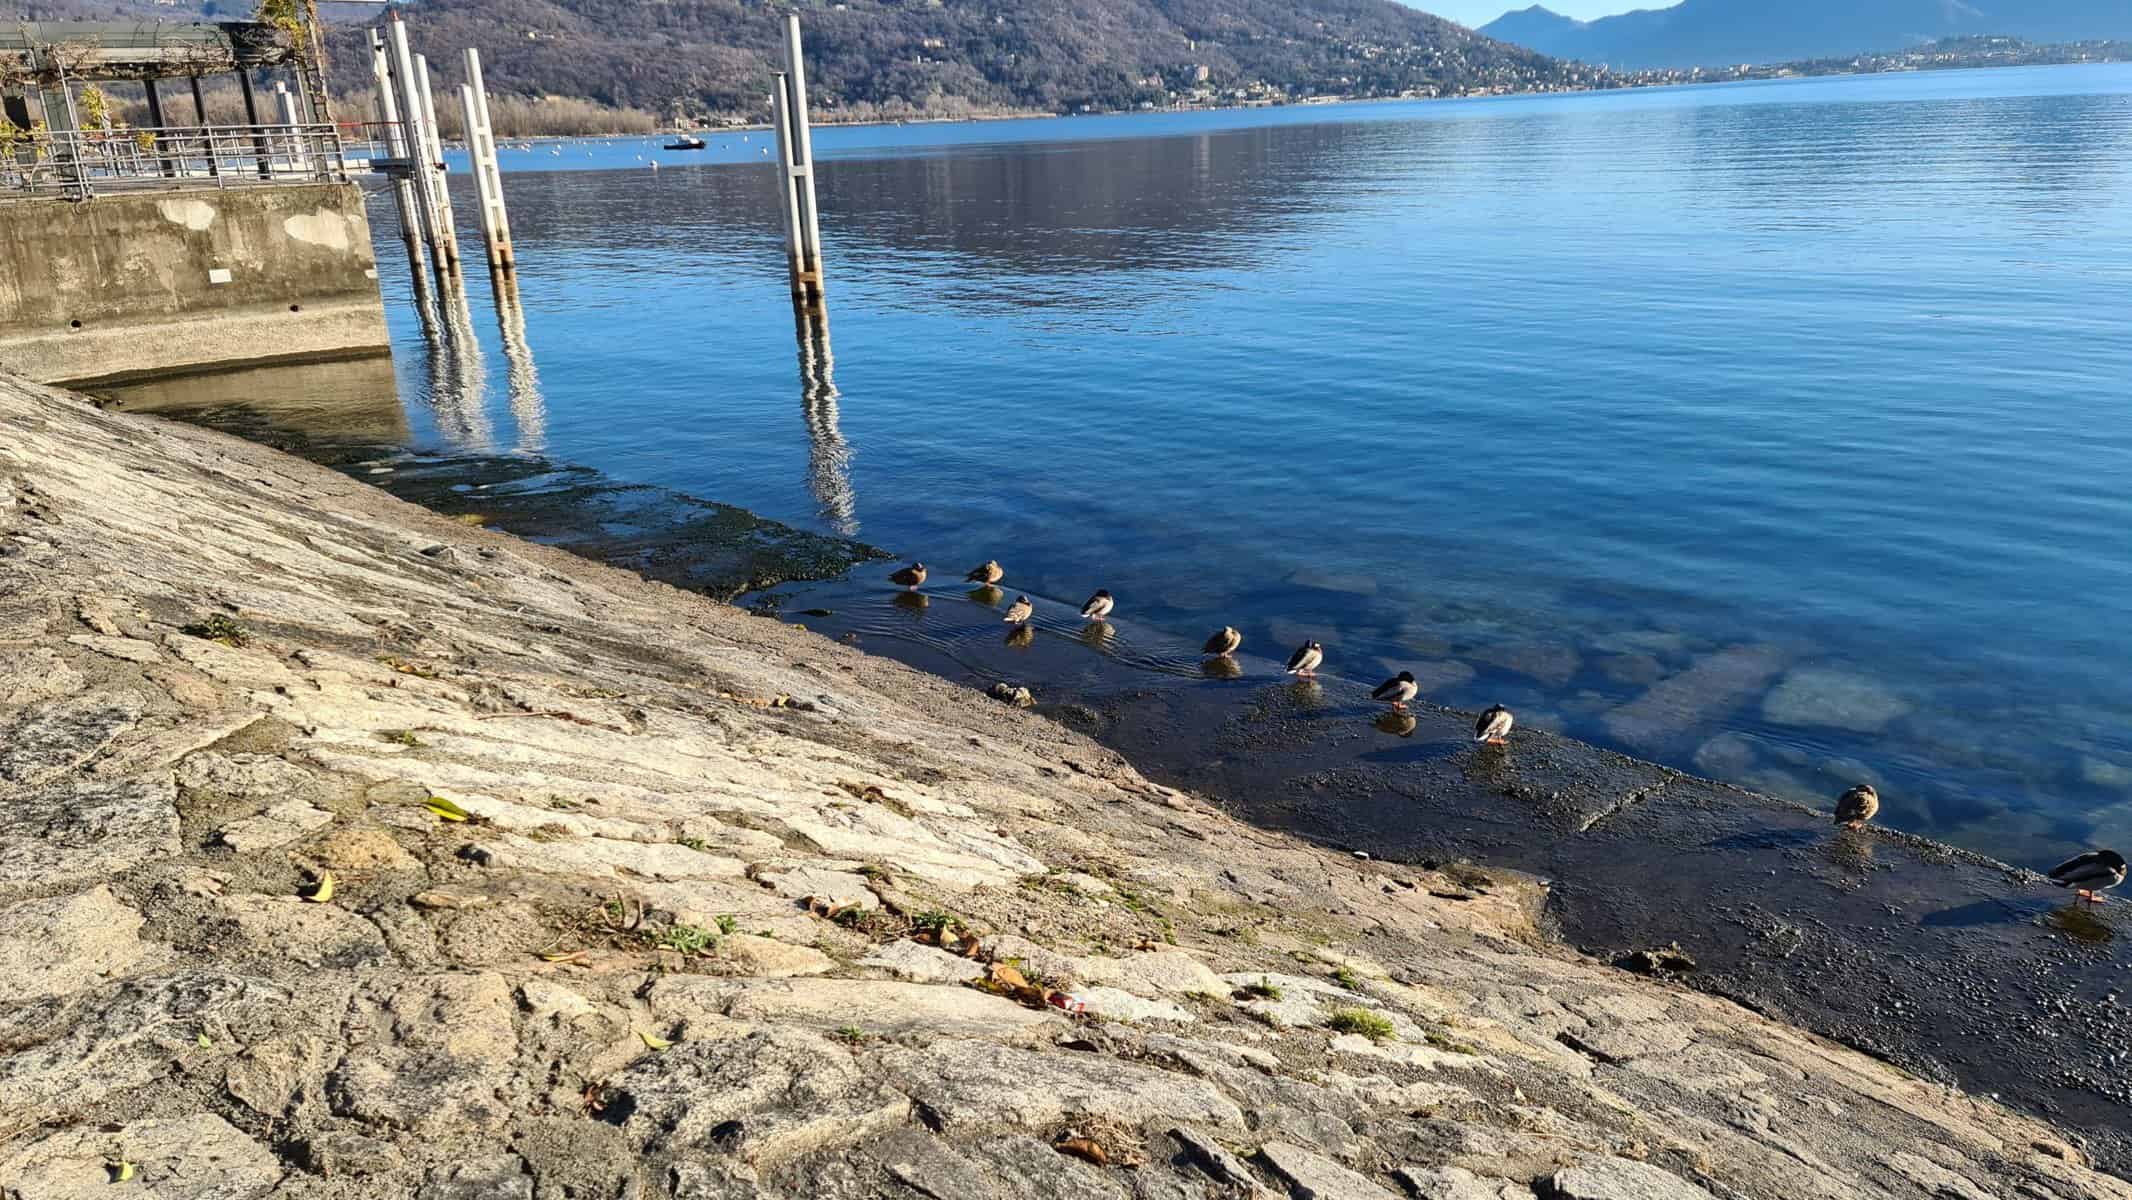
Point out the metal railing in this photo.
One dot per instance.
(78, 164)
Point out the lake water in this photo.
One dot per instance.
(1778, 432)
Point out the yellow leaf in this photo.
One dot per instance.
(205, 1044)
(445, 809)
(121, 1171)
(321, 892)
(655, 1043)
(563, 956)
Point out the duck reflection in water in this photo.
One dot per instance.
(1222, 667)
(2080, 922)
(1307, 693)
(1096, 635)
(1021, 637)
(1399, 724)
(913, 603)
(1851, 851)
(987, 595)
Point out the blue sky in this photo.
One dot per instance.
(1480, 12)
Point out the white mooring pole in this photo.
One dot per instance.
(807, 284)
(403, 188)
(435, 164)
(416, 146)
(788, 191)
(488, 172)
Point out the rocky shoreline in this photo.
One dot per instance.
(635, 895)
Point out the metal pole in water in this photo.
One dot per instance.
(488, 171)
(415, 143)
(435, 162)
(403, 189)
(482, 206)
(788, 192)
(810, 223)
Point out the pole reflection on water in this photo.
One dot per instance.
(458, 378)
(829, 455)
(528, 410)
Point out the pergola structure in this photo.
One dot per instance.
(56, 138)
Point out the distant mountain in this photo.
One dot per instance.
(1701, 33)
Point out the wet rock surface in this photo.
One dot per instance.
(608, 919)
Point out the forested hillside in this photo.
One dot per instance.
(704, 58)
(879, 57)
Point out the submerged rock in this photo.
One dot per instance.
(1838, 699)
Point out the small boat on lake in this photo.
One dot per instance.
(685, 142)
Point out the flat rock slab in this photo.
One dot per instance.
(286, 822)
(830, 887)
(768, 958)
(64, 944)
(200, 1157)
(920, 963)
(873, 1006)
(129, 649)
(1121, 1005)
(1622, 1179)
(125, 1036)
(47, 739)
(974, 1086)
(433, 1056)
(312, 935)
(1170, 971)
(79, 832)
(764, 1097)
(1312, 1176)
(1457, 1183)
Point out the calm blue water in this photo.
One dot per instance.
(1776, 431)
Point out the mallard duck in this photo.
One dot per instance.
(1856, 807)
(1494, 726)
(1098, 606)
(1306, 659)
(909, 577)
(2087, 874)
(1223, 643)
(1021, 611)
(990, 572)
(1397, 690)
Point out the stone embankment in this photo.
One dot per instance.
(346, 851)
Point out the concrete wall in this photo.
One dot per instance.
(132, 285)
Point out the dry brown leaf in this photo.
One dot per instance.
(1084, 1149)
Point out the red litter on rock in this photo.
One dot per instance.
(1072, 1004)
